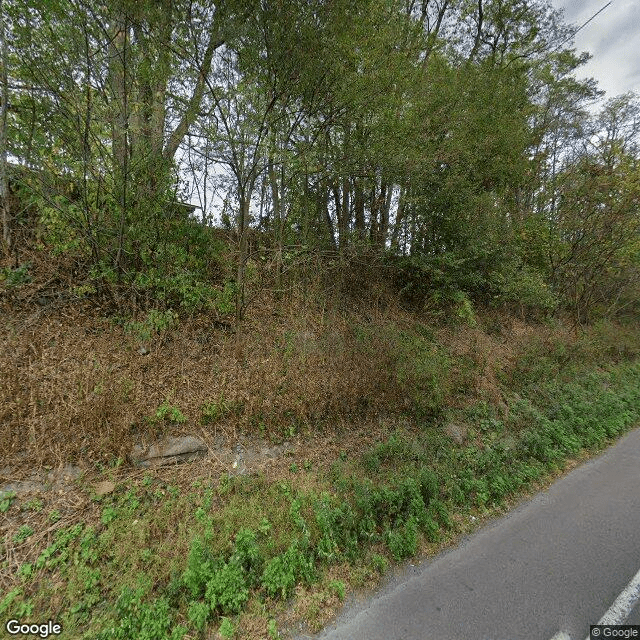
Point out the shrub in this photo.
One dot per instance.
(154, 323)
(284, 571)
(227, 589)
(403, 541)
(141, 620)
(422, 369)
(198, 614)
(15, 277)
(523, 288)
(168, 413)
(248, 555)
(338, 588)
(200, 566)
(226, 629)
(379, 563)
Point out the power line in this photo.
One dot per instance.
(582, 26)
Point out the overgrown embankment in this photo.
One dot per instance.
(404, 429)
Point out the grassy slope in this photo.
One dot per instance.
(404, 432)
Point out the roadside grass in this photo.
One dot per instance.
(192, 552)
(229, 555)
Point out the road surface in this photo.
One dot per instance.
(550, 568)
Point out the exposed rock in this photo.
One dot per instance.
(67, 474)
(22, 487)
(458, 433)
(172, 450)
(104, 487)
(38, 482)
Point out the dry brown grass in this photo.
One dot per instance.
(76, 388)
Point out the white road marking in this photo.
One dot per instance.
(619, 611)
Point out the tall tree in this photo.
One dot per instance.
(4, 185)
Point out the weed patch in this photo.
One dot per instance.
(159, 557)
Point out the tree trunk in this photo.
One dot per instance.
(359, 210)
(399, 220)
(243, 217)
(339, 215)
(119, 129)
(346, 213)
(4, 178)
(374, 222)
(277, 222)
(387, 191)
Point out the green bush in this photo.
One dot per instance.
(227, 589)
(226, 630)
(396, 449)
(338, 588)
(200, 566)
(523, 288)
(283, 572)
(403, 541)
(248, 555)
(198, 614)
(379, 563)
(15, 277)
(154, 323)
(423, 371)
(168, 413)
(142, 620)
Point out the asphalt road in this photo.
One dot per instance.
(554, 564)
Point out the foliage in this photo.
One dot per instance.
(227, 589)
(226, 629)
(213, 411)
(399, 493)
(423, 369)
(452, 142)
(282, 573)
(524, 288)
(15, 277)
(403, 541)
(23, 533)
(6, 500)
(168, 413)
(139, 619)
(154, 323)
(344, 147)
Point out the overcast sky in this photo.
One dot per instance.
(613, 39)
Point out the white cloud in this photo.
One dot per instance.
(613, 39)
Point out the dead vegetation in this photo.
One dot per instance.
(336, 370)
(84, 385)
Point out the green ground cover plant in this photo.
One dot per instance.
(265, 540)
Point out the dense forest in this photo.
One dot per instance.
(446, 143)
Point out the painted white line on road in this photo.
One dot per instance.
(619, 611)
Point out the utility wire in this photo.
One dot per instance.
(545, 47)
(582, 26)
